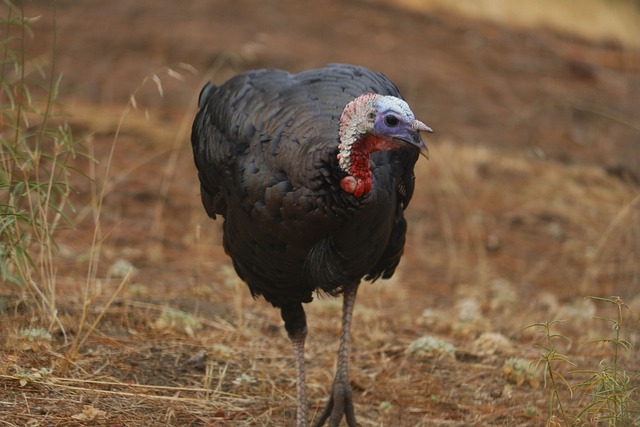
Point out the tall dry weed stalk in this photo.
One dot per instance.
(36, 147)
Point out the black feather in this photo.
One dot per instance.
(323, 267)
(204, 94)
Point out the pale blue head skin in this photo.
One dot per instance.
(394, 121)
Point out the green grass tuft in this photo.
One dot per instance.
(608, 395)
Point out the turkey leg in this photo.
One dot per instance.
(296, 325)
(340, 403)
(302, 411)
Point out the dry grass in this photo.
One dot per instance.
(594, 20)
(592, 217)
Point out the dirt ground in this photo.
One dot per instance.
(530, 203)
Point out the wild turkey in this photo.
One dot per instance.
(311, 173)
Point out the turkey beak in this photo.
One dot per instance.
(413, 139)
(418, 126)
(421, 146)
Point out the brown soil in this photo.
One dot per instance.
(528, 204)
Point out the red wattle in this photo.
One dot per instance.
(359, 182)
(349, 184)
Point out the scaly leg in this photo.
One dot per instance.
(340, 403)
(296, 325)
(302, 411)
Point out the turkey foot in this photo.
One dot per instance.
(340, 403)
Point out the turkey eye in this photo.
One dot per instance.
(391, 121)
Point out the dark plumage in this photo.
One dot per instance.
(297, 218)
